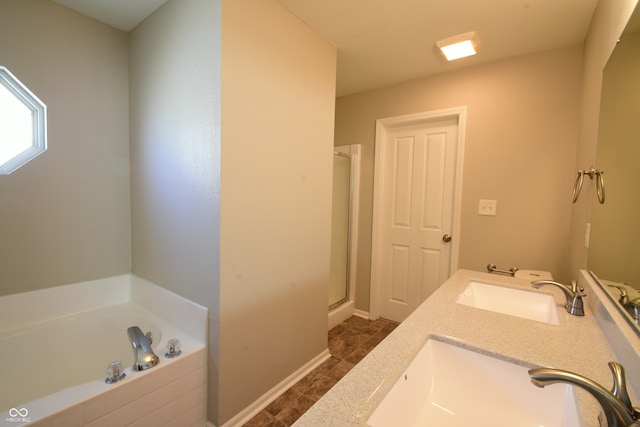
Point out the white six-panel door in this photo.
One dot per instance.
(414, 220)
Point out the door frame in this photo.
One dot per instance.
(382, 125)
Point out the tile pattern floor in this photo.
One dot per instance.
(349, 342)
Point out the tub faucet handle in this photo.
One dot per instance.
(173, 348)
(115, 372)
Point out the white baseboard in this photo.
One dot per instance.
(209, 424)
(361, 313)
(340, 314)
(263, 401)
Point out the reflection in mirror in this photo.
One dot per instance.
(615, 229)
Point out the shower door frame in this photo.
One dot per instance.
(345, 308)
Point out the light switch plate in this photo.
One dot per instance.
(587, 235)
(487, 207)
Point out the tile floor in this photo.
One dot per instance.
(349, 342)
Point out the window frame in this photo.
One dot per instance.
(39, 121)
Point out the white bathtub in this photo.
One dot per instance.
(56, 344)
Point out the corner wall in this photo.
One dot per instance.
(175, 157)
(278, 98)
(522, 130)
(65, 216)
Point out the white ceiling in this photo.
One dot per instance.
(382, 42)
(121, 14)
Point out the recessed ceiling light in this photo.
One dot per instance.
(459, 46)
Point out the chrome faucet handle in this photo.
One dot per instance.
(576, 289)
(619, 390)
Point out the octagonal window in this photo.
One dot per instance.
(23, 123)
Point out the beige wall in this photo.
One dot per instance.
(65, 216)
(521, 138)
(175, 157)
(278, 98)
(609, 19)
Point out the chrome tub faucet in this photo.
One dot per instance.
(143, 354)
(574, 295)
(616, 404)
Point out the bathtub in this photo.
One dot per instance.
(57, 343)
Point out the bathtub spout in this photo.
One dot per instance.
(144, 356)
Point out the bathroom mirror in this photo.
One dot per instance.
(615, 228)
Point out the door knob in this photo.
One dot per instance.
(446, 238)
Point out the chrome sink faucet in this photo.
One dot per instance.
(574, 304)
(633, 308)
(631, 305)
(616, 404)
(624, 295)
(144, 356)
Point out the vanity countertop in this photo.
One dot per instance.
(577, 345)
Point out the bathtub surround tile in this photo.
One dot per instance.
(183, 367)
(143, 395)
(106, 421)
(159, 417)
(189, 403)
(186, 411)
(184, 398)
(71, 418)
(97, 407)
(349, 342)
(188, 383)
(137, 384)
(163, 417)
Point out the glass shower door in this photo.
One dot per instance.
(339, 278)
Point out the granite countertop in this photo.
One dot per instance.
(577, 345)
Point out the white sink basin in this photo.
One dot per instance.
(515, 302)
(447, 385)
